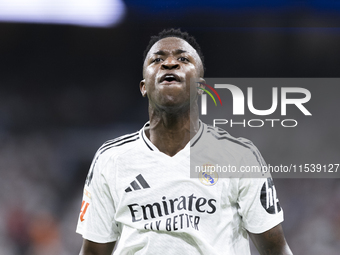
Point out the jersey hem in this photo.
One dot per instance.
(269, 225)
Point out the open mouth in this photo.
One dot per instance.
(169, 78)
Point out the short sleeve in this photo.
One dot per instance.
(258, 203)
(96, 219)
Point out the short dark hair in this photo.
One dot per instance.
(175, 33)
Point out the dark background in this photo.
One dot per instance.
(64, 90)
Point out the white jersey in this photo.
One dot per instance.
(146, 200)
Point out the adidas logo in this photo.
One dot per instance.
(135, 185)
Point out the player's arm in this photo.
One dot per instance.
(271, 242)
(92, 248)
(96, 221)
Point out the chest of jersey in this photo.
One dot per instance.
(155, 192)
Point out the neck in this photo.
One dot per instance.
(171, 131)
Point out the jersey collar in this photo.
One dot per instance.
(191, 143)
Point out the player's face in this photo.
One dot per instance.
(170, 70)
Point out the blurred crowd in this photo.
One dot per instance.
(35, 197)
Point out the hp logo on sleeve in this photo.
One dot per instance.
(268, 197)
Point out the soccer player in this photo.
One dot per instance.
(139, 193)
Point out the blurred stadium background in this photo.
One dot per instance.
(70, 81)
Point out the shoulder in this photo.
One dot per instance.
(219, 135)
(111, 149)
(238, 148)
(120, 143)
(117, 146)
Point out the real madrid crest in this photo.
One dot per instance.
(208, 176)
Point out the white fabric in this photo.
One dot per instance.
(176, 214)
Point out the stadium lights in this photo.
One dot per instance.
(97, 13)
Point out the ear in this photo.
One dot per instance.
(200, 92)
(142, 87)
